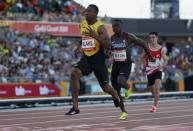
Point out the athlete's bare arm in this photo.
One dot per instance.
(141, 43)
(165, 59)
(102, 38)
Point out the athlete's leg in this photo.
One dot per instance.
(75, 86)
(114, 75)
(108, 89)
(102, 76)
(115, 80)
(152, 89)
(81, 68)
(124, 72)
(123, 115)
(151, 86)
(122, 106)
(122, 81)
(154, 82)
(157, 84)
(156, 91)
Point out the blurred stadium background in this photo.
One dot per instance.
(37, 39)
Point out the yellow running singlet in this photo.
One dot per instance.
(90, 45)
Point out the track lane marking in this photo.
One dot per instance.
(93, 109)
(103, 112)
(137, 120)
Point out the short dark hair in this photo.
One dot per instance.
(118, 20)
(153, 33)
(95, 7)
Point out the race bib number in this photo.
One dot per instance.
(154, 64)
(119, 55)
(88, 44)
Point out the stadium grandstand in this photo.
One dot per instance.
(38, 38)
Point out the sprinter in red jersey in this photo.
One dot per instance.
(154, 69)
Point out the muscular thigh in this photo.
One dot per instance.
(153, 77)
(114, 75)
(101, 73)
(84, 66)
(125, 70)
(120, 72)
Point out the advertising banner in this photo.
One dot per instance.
(143, 87)
(53, 28)
(28, 90)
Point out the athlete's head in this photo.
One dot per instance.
(153, 37)
(117, 26)
(91, 12)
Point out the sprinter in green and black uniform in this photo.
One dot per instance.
(121, 43)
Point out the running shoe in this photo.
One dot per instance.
(128, 93)
(152, 109)
(123, 116)
(72, 111)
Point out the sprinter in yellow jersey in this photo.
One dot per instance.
(94, 40)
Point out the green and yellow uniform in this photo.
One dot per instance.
(90, 45)
(93, 59)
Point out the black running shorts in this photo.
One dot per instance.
(152, 77)
(99, 68)
(122, 69)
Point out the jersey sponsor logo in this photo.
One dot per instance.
(155, 64)
(119, 45)
(119, 55)
(152, 67)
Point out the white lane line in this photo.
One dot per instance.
(186, 123)
(31, 123)
(140, 108)
(137, 103)
(103, 112)
(113, 126)
(94, 109)
(165, 126)
(90, 125)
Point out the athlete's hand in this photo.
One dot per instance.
(77, 52)
(163, 66)
(90, 32)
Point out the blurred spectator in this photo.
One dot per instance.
(41, 10)
(170, 84)
(3, 74)
(36, 58)
(31, 57)
(175, 52)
